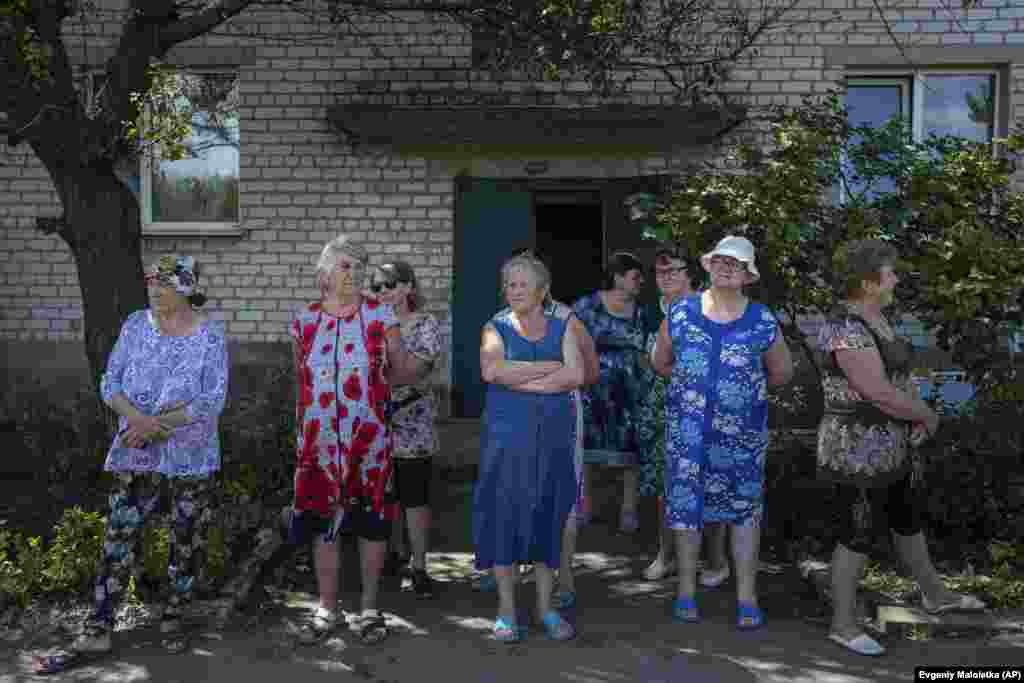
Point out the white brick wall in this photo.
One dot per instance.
(301, 185)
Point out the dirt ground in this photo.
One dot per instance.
(625, 629)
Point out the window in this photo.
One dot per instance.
(199, 193)
(946, 102)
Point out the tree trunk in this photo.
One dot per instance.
(102, 227)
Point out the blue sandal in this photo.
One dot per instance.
(557, 627)
(748, 617)
(684, 610)
(507, 632)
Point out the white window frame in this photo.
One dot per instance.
(183, 228)
(913, 97)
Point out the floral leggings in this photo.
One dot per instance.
(133, 498)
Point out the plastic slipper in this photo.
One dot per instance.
(322, 623)
(55, 664)
(958, 603)
(558, 628)
(748, 617)
(507, 631)
(684, 610)
(862, 644)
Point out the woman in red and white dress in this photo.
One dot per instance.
(348, 352)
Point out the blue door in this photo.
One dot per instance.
(493, 218)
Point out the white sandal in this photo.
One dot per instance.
(862, 644)
(958, 602)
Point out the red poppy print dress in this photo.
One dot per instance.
(343, 445)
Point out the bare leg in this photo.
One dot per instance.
(913, 550)
(545, 584)
(687, 552)
(716, 535)
(746, 541)
(665, 559)
(847, 570)
(372, 555)
(630, 489)
(420, 520)
(325, 556)
(566, 578)
(508, 578)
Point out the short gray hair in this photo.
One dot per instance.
(531, 263)
(342, 244)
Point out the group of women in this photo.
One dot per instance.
(676, 397)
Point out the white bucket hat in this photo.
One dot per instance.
(738, 248)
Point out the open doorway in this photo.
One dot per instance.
(569, 238)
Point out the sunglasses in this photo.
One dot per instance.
(156, 279)
(376, 287)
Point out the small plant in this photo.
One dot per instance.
(21, 563)
(71, 556)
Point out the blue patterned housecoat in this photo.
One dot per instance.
(717, 416)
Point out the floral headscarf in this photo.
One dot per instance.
(181, 273)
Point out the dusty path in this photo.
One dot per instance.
(626, 634)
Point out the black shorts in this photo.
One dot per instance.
(897, 507)
(362, 522)
(412, 481)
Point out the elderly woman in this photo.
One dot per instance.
(348, 351)
(527, 484)
(612, 407)
(167, 380)
(412, 414)
(722, 353)
(672, 278)
(863, 440)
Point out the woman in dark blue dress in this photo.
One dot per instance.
(527, 483)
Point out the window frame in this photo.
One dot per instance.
(915, 78)
(151, 157)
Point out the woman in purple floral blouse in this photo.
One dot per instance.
(167, 380)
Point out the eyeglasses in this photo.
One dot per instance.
(727, 263)
(376, 287)
(669, 272)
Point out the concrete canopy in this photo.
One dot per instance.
(610, 130)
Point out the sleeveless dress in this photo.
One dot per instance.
(527, 483)
(717, 416)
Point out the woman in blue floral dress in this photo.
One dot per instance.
(613, 407)
(722, 353)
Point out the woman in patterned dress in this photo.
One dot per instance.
(167, 380)
(863, 440)
(612, 407)
(412, 416)
(722, 353)
(348, 352)
(527, 484)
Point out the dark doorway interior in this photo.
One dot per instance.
(569, 239)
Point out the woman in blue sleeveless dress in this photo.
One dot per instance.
(527, 483)
(722, 353)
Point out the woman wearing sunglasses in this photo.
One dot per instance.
(412, 416)
(167, 380)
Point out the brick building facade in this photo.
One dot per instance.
(303, 177)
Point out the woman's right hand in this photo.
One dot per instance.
(140, 429)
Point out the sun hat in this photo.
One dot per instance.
(736, 247)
